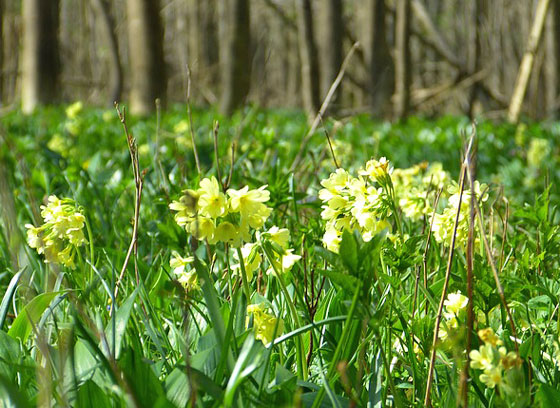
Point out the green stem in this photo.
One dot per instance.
(302, 364)
(340, 346)
(244, 276)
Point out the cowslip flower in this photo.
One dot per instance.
(185, 276)
(491, 377)
(208, 213)
(267, 326)
(455, 302)
(61, 232)
(251, 260)
(212, 201)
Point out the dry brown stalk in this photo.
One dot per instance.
(324, 107)
(462, 178)
(139, 184)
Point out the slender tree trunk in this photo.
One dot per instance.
(103, 8)
(479, 15)
(331, 50)
(527, 62)
(402, 59)
(380, 66)
(1, 52)
(309, 58)
(147, 65)
(235, 53)
(40, 60)
(552, 60)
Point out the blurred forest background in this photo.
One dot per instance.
(425, 57)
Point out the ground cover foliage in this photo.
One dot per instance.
(318, 285)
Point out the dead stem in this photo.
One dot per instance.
(429, 382)
(139, 183)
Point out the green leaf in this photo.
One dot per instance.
(144, 384)
(548, 396)
(177, 387)
(348, 251)
(6, 300)
(115, 338)
(347, 282)
(30, 315)
(90, 395)
(9, 355)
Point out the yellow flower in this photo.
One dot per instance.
(335, 183)
(489, 337)
(73, 110)
(377, 170)
(228, 233)
(202, 228)
(331, 239)
(511, 360)
(249, 202)
(212, 201)
(187, 278)
(251, 258)
(455, 302)
(492, 376)
(186, 207)
(267, 327)
(280, 236)
(483, 358)
(179, 263)
(181, 127)
(34, 238)
(284, 263)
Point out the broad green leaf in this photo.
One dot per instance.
(347, 282)
(348, 251)
(9, 354)
(90, 395)
(548, 396)
(30, 315)
(6, 300)
(115, 338)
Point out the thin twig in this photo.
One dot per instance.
(216, 155)
(191, 123)
(139, 183)
(429, 382)
(464, 380)
(324, 107)
(491, 259)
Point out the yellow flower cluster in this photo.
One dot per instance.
(73, 124)
(61, 232)
(417, 186)
(455, 305)
(208, 213)
(355, 203)
(267, 326)
(497, 365)
(283, 257)
(186, 277)
(442, 227)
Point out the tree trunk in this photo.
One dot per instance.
(235, 53)
(331, 50)
(40, 60)
(147, 65)
(115, 85)
(308, 56)
(527, 62)
(1, 53)
(402, 59)
(381, 69)
(552, 72)
(480, 13)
